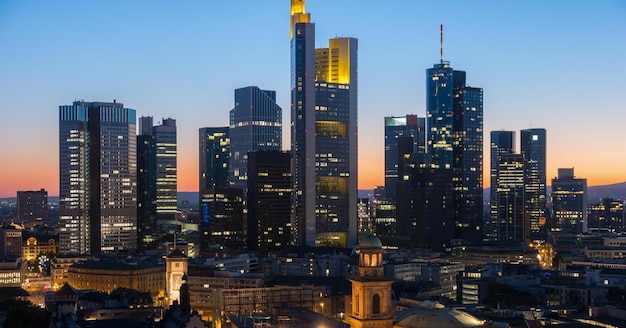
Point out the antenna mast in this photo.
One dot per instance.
(441, 42)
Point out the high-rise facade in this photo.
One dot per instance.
(156, 175)
(324, 136)
(395, 127)
(146, 182)
(468, 161)
(32, 204)
(98, 172)
(167, 174)
(454, 117)
(221, 219)
(255, 124)
(569, 202)
(533, 147)
(269, 200)
(502, 142)
(511, 223)
(302, 34)
(214, 157)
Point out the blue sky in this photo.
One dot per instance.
(559, 65)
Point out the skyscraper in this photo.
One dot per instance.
(269, 200)
(533, 147)
(214, 157)
(454, 116)
(302, 33)
(511, 223)
(221, 219)
(395, 127)
(146, 182)
(324, 136)
(569, 202)
(255, 124)
(156, 175)
(98, 172)
(468, 161)
(502, 142)
(32, 204)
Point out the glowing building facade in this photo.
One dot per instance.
(98, 172)
(569, 202)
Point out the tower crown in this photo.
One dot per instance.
(370, 257)
(297, 15)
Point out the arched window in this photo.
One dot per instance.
(374, 260)
(366, 260)
(376, 304)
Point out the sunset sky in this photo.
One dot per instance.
(558, 65)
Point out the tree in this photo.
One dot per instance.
(24, 314)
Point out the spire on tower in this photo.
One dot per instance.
(440, 42)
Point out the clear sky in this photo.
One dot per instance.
(558, 65)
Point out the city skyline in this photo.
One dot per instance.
(184, 61)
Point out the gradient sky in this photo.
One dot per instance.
(558, 65)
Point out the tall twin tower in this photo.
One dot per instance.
(323, 136)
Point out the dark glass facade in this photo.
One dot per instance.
(255, 124)
(511, 223)
(221, 219)
(569, 202)
(395, 127)
(533, 147)
(454, 117)
(214, 157)
(502, 142)
(303, 133)
(269, 200)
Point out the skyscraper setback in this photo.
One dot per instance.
(324, 132)
(98, 178)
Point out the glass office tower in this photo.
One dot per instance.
(454, 118)
(98, 172)
(533, 147)
(214, 157)
(502, 142)
(324, 136)
(396, 127)
(255, 124)
(569, 202)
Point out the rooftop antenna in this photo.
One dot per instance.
(441, 42)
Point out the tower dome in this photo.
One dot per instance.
(370, 241)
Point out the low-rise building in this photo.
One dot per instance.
(12, 272)
(36, 245)
(106, 276)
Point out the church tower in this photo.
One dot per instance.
(371, 291)
(175, 268)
